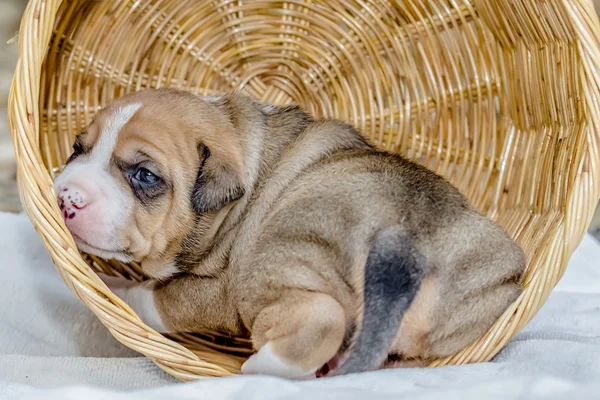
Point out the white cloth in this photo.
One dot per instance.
(52, 347)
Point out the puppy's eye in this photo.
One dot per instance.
(145, 177)
(146, 185)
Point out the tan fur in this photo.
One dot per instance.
(306, 328)
(286, 259)
(412, 338)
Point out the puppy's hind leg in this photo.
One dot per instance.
(469, 319)
(480, 285)
(296, 335)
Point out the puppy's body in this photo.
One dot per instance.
(300, 233)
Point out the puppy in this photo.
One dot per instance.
(254, 219)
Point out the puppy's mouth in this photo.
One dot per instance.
(119, 255)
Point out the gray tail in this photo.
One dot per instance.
(393, 275)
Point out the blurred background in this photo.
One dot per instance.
(10, 15)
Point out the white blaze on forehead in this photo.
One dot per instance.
(103, 149)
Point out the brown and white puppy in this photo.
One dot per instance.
(258, 219)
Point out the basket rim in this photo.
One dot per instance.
(37, 196)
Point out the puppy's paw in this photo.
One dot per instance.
(138, 296)
(267, 362)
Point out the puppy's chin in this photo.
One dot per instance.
(119, 255)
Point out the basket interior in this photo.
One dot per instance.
(487, 102)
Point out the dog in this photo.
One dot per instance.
(259, 220)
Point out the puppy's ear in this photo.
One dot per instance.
(219, 182)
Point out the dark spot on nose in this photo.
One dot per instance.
(69, 197)
(72, 215)
(65, 189)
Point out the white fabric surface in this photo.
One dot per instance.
(52, 347)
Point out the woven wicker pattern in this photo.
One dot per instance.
(500, 97)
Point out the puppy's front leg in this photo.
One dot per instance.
(185, 304)
(138, 296)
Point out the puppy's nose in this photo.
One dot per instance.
(71, 199)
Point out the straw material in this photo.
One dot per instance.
(500, 97)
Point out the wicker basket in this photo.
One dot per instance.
(500, 97)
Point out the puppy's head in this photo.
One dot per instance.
(144, 169)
